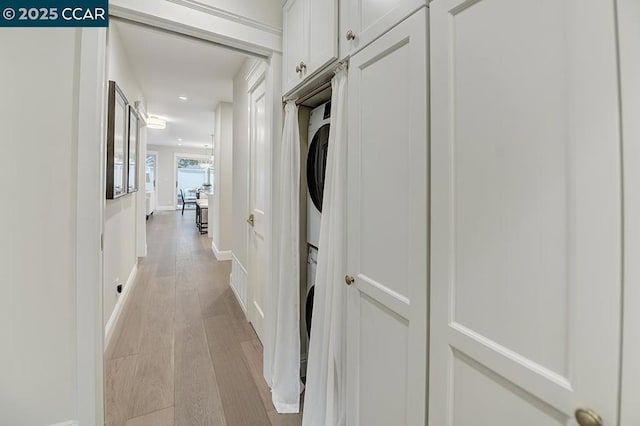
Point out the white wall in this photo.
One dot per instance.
(37, 224)
(240, 197)
(165, 179)
(120, 245)
(222, 207)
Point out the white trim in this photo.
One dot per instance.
(67, 423)
(256, 75)
(221, 255)
(177, 18)
(212, 10)
(120, 303)
(257, 69)
(274, 119)
(91, 89)
(165, 208)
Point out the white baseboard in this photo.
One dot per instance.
(221, 255)
(117, 310)
(67, 423)
(165, 208)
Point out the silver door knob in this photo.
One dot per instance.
(351, 35)
(302, 66)
(349, 279)
(588, 417)
(251, 220)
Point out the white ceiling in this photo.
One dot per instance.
(167, 66)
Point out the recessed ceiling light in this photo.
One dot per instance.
(183, 98)
(179, 144)
(179, 139)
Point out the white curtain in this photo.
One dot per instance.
(325, 392)
(282, 357)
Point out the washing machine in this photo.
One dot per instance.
(319, 122)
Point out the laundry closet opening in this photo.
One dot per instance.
(314, 122)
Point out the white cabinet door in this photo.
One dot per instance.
(387, 239)
(369, 19)
(323, 34)
(525, 212)
(295, 21)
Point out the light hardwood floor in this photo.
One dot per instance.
(183, 353)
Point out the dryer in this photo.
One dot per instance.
(319, 124)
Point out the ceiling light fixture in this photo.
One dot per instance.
(154, 122)
(183, 98)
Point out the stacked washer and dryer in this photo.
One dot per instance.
(319, 122)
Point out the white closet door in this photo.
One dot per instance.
(323, 34)
(369, 19)
(387, 240)
(295, 42)
(525, 212)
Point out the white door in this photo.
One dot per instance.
(525, 213)
(387, 239)
(366, 20)
(295, 21)
(257, 218)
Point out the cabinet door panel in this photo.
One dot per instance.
(323, 34)
(525, 212)
(295, 23)
(369, 19)
(387, 244)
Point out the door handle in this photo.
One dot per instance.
(251, 220)
(588, 417)
(348, 279)
(350, 35)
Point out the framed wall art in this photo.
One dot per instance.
(117, 137)
(133, 149)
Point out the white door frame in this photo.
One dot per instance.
(200, 22)
(91, 135)
(176, 156)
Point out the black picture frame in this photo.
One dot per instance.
(133, 151)
(117, 139)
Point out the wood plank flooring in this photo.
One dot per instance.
(183, 353)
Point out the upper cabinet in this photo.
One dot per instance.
(310, 39)
(362, 21)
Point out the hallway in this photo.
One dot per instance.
(183, 353)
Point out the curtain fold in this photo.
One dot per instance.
(282, 354)
(325, 399)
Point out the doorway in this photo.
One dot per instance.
(259, 42)
(191, 173)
